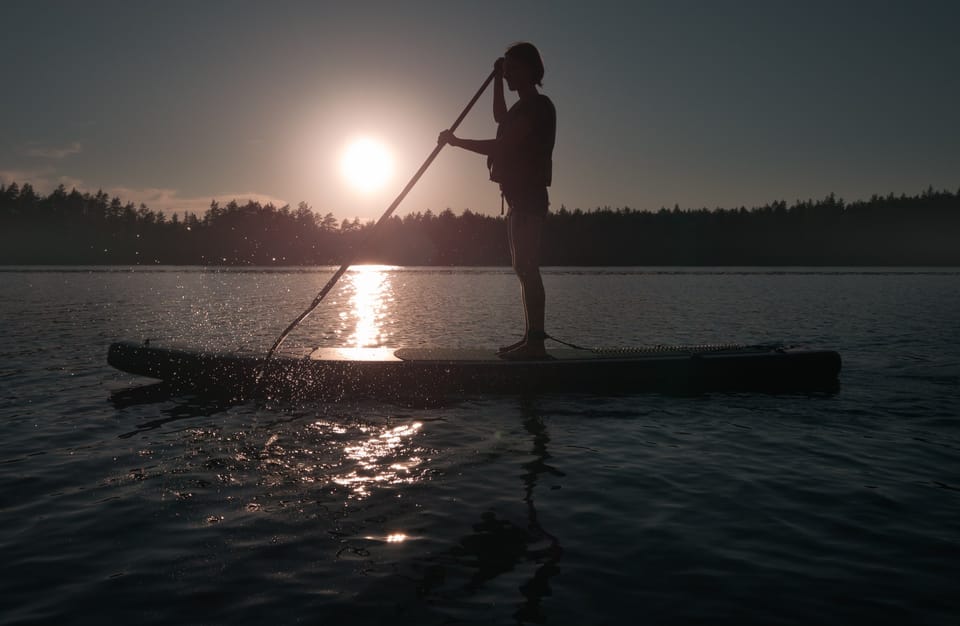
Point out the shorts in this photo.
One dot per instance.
(530, 200)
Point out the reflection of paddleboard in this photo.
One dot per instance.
(386, 372)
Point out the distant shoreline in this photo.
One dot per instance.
(78, 229)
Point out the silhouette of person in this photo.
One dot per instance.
(520, 159)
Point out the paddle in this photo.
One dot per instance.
(383, 218)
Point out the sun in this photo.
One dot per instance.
(366, 164)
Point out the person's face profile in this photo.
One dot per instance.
(515, 73)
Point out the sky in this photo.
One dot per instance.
(691, 103)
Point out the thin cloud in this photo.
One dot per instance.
(45, 152)
(39, 179)
(161, 199)
(170, 201)
(69, 182)
(43, 180)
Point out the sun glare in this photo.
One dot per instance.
(366, 164)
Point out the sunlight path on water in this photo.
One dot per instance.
(375, 461)
(369, 305)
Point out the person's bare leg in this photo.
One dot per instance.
(513, 263)
(525, 232)
(534, 300)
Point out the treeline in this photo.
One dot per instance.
(83, 228)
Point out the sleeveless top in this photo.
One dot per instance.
(528, 162)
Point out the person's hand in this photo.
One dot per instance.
(447, 137)
(498, 67)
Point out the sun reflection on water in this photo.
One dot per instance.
(352, 459)
(371, 457)
(369, 304)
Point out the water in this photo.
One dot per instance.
(127, 503)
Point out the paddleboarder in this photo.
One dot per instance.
(520, 159)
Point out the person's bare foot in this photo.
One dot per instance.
(527, 351)
(512, 346)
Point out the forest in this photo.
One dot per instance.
(74, 228)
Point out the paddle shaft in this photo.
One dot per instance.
(383, 218)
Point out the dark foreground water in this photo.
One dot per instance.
(122, 502)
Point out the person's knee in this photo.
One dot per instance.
(525, 262)
(527, 271)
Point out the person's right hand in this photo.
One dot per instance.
(498, 67)
(446, 137)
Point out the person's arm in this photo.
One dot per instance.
(499, 104)
(517, 131)
(480, 146)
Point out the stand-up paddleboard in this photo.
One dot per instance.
(387, 372)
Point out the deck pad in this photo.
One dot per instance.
(571, 354)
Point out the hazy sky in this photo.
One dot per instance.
(704, 103)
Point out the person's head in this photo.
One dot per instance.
(522, 65)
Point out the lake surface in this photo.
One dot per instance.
(122, 502)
